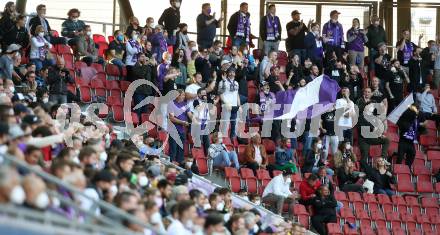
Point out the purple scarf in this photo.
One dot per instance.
(272, 27)
(135, 44)
(41, 50)
(407, 52)
(243, 27)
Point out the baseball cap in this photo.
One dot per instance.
(13, 47)
(225, 62)
(15, 132)
(31, 119)
(296, 12)
(334, 12)
(153, 171)
(20, 108)
(104, 175)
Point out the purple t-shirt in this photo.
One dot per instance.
(179, 109)
(161, 72)
(358, 43)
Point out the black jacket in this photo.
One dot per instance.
(34, 22)
(6, 24)
(143, 72)
(263, 28)
(344, 178)
(233, 22)
(415, 72)
(324, 206)
(380, 181)
(17, 36)
(309, 161)
(170, 19)
(58, 84)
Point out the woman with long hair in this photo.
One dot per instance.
(347, 178)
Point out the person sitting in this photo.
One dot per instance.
(159, 42)
(324, 206)
(428, 108)
(86, 45)
(116, 49)
(88, 72)
(325, 179)
(255, 154)
(348, 179)
(18, 34)
(72, 26)
(277, 192)
(345, 151)
(379, 175)
(220, 155)
(313, 159)
(40, 49)
(307, 189)
(284, 156)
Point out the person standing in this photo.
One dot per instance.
(40, 19)
(382, 62)
(376, 34)
(416, 78)
(356, 38)
(296, 32)
(345, 121)
(405, 49)
(395, 84)
(333, 34)
(170, 20)
(228, 91)
(86, 45)
(58, 78)
(18, 34)
(270, 30)
(408, 125)
(206, 27)
(239, 27)
(328, 129)
(313, 45)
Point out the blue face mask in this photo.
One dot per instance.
(209, 11)
(120, 38)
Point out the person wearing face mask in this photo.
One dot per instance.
(239, 26)
(149, 26)
(219, 154)
(86, 45)
(159, 43)
(179, 62)
(153, 215)
(11, 190)
(170, 19)
(356, 38)
(40, 49)
(376, 34)
(284, 156)
(333, 34)
(102, 183)
(182, 38)
(314, 45)
(35, 190)
(133, 48)
(207, 25)
(405, 49)
(313, 159)
(415, 73)
(116, 49)
(187, 213)
(40, 19)
(277, 192)
(203, 65)
(345, 151)
(270, 30)
(72, 26)
(201, 119)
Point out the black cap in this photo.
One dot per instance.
(104, 175)
(334, 12)
(287, 172)
(4, 128)
(31, 119)
(296, 12)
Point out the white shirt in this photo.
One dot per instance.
(230, 91)
(192, 89)
(258, 157)
(176, 227)
(278, 186)
(342, 103)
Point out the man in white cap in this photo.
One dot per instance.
(7, 61)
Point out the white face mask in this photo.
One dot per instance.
(189, 164)
(158, 201)
(103, 156)
(17, 195)
(288, 180)
(220, 206)
(135, 37)
(45, 99)
(89, 33)
(206, 206)
(319, 146)
(393, 69)
(143, 181)
(156, 218)
(114, 189)
(177, 4)
(42, 201)
(41, 34)
(347, 146)
(75, 20)
(257, 202)
(12, 89)
(151, 25)
(245, 52)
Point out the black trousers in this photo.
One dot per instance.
(406, 150)
(319, 222)
(365, 143)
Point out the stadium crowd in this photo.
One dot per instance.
(212, 83)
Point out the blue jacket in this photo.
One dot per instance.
(313, 52)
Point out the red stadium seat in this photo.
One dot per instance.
(98, 67)
(424, 187)
(118, 113)
(347, 215)
(369, 198)
(263, 176)
(299, 209)
(125, 85)
(98, 87)
(85, 94)
(427, 140)
(405, 184)
(334, 228)
(385, 202)
(276, 172)
(102, 48)
(349, 231)
(398, 231)
(98, 38)
(399, 202)
(394, 218)
(202, 164)
(197, 153)
(365, 229)
(340, 196)
(362, 215)
(79, 64)
(269, 145)
(401, 169)
(110, 38)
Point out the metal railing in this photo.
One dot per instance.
(99, 223)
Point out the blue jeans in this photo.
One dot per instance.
(371, 54)
(239, 41)
(330, 172)
(233, 119)
(176, 152)
(386, 191)
(137, 99)
(40, 63)
(339, 206)
(307, 142)
(225, 159)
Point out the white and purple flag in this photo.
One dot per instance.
(315, 98)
